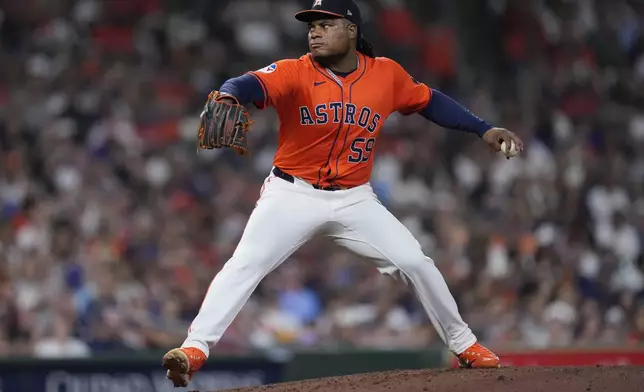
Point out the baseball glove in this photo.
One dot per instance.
(223, 124)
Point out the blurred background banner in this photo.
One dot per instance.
(140, 373)
(580, 357)
(111, 227)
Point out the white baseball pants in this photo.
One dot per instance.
(289, 214)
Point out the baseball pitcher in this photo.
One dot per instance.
(331, 104)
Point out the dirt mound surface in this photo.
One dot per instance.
(522, 379)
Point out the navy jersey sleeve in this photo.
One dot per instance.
(448, 113)
(246, 88)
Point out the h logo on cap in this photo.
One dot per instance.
(317, 3)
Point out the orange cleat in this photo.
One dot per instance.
(182, 363)
(477, 356)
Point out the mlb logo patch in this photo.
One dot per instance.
(270, 69)
(318, 3)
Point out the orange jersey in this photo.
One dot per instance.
(329, 124)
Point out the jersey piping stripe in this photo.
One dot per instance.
(344, 143)
(337, 133)
(264, 89)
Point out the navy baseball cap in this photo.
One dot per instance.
(322, 9)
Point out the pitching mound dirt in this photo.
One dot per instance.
(538, 379)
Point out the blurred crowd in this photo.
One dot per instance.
(112, 226)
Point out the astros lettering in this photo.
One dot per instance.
(365, 118)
